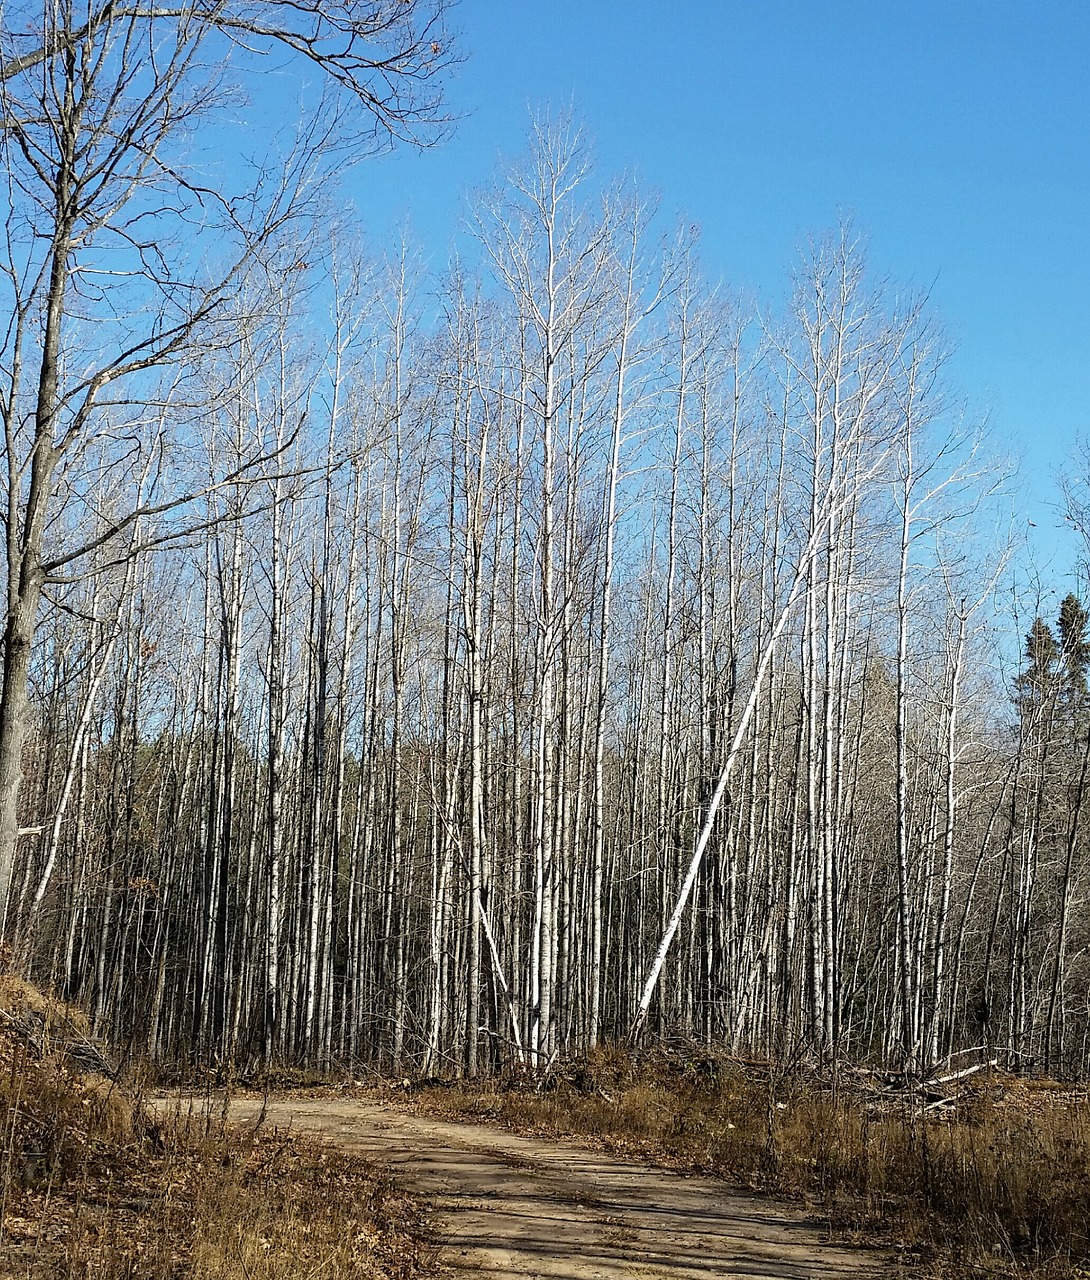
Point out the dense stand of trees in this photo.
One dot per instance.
(591, 653)
(130, 224)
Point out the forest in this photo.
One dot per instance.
(444, 668)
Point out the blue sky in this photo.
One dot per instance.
(957, 136)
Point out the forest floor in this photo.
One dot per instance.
(968, 1174)
(507, 1205)
(96, 1186)
(675, 1162)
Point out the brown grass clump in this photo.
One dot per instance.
(57, 1122)
(17, 996)
(997, 1183)
(296, 1208)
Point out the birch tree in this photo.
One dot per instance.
(103, 287)
(549, 251)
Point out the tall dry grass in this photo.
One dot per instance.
(279, 1207)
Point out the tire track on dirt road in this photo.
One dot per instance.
(514, 1207)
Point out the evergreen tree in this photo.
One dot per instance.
(1040, 680)
(1074, 656)
(1053, 680)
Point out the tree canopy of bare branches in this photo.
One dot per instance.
(132, 221)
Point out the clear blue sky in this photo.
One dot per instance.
(956, 134)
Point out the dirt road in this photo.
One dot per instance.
(506, 1206)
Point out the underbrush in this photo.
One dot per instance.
(94, 1185)
(991, 1181)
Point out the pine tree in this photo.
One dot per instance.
(1074, 658)
(1039, 682)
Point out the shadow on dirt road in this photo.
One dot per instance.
(508, 1206)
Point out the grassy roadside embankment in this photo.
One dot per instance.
(988, 1176)
(93, 1187)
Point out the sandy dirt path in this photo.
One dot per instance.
(507, 1206)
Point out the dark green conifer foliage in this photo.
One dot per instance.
(1075, 654)
(1052, 685)
(1039, 682)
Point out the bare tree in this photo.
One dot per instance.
(119, 252)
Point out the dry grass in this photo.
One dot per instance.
(288, 1208)
(94, 1187)
(18, 996)
(997, 1185)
